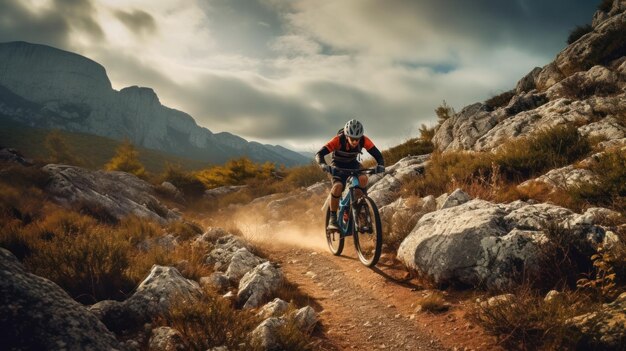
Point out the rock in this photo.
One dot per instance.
(383, 190)
(498, 300)
(604, 329)
(275, 308)
(241, 263)
(118, 193)
(525, 102)
(480, 243)
(214, 193)
(166, 339)
(258, 285)
(583, 83)
(549, 75)
(562, 178)
(12, 155)
(462, 130)
(225, 248)
(440, 200)
(608, 128)
(603, 44)
(217, 281)
(36, 314)
(153, 297)
(264, 334)
(319, 188)
(172, 190)
(212, 234)
(430, 204)
(457, 197)
(306, 319)
(527, 83)
(553, 296)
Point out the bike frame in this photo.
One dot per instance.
(346, 229)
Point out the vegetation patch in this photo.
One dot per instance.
(500, 100)
(578, 32)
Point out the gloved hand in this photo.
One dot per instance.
(380, 169)
(325, 167)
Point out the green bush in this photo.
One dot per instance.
(187, 183)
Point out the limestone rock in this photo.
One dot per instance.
(275, 308)
(457, 197)
(166, 339)
(241, 263)
(604, 329)
(217, 281)
(36, 314)
(258, 285)
(480, 243)
(118, 193)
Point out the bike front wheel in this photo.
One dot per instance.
(334, 238)
(368, 232)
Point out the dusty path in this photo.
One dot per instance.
(365, 309)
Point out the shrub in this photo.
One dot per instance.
(189, 184)
(303, 176)
(579, 88)
(85, 259)
(184, 230)
(211, 322)
(545, 149)
(562, 259)
(528, 322)
(500, 100)
(605, 5)
(444, 112)
(126, 159)
(137, 229)
(426, 133)
(610, 189)
(578, 32)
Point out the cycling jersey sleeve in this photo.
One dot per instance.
(330, 146)
(373, 150)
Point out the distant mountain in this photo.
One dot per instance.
(45, 87)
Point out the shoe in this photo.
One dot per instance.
(332, 222)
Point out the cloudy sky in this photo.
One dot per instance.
(292, 72)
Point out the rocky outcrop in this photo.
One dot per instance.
(36, 314)
(119, 194)
(265, 334)
(480, 243)
(12, 155)
(166, 339)
(585, 85)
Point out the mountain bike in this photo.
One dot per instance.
(358, 217)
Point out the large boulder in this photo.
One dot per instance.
(224, 250)
(36, 314)
(153, 297)
(119, 194)
(383, 189)
(166, 339)
(241, 263)
(480, 243)
(258, 285)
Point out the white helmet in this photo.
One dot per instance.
(353, 129)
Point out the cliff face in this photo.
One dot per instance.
(50, 88)
(585, 85)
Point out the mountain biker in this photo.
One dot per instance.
(346, 146)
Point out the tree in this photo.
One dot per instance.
(59, 151)
(444, 111)
(126, 159)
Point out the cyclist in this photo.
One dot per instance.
(346, 146)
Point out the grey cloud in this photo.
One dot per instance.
(139, 22)
(50, 26)
(243, 26)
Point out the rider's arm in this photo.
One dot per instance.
(373, 150)
(326, 149)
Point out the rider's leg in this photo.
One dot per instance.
(362, 184)
(335, 194)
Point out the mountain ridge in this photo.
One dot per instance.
(63, 90)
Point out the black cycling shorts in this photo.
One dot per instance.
(343, 178)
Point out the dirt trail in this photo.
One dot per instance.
(364, 309)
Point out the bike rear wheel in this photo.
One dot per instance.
(368, 232)
(334, 238)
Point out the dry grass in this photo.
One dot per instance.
(211, 322)
(500, 100)
(434, 302)
(528, 322)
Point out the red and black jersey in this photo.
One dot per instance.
(343, 153)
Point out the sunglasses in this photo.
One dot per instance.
(353, 140)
